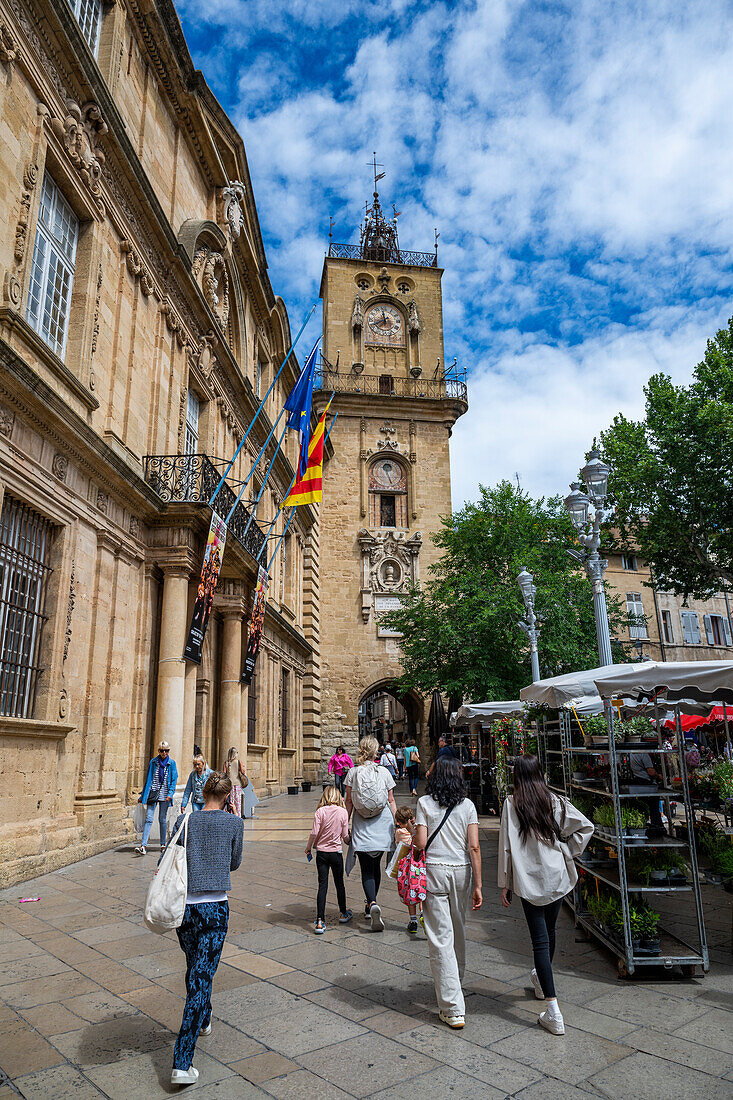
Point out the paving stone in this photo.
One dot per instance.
(267, 939)
(260, 966)
(227, 1044)
(305, 1086)
(646, 1008)
(52, 1019)
(261, 1067)
(18, 949)
(571, 1057)
(487, 1065)
(297, 981)
(21, 1048)
(61, 1083)
(39, 966)
(713, 1029)
(366, 1065)
(148, 1076)
(112, 1040)
(109, 932)
(98, 1006)
(440, 1083)
(311, 953)
(547, 1089)
(390, 1023)
(344, 1002)
(304, 1027)
(231, 1088)
(255, 1001)
(154, 965)
(675, 1049)
(41, 991)
(226, 977)
(648, 1078)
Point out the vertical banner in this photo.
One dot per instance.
(207, 585)
(255, 626)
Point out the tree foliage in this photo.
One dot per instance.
(459, 630)
(672, 479)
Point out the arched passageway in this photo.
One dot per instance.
(389, 716)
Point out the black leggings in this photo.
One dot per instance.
(541, 920)
(371, 873)
(335, 861)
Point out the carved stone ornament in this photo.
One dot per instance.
(389, 563)
(204, 358)
(8, 45)
(102, 501)
(173, 322)
(233, 213)
(30, 179)
(59, 466)
(11, 289)
(135, 527)
(80, 133)
(413, 320)
(209, 267)
(136, 267)
(98, 295)
(63, 703)
(7, 420)
(357, 314)
(70, 610)
(384, 279)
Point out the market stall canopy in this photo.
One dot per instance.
(694, 721)
(572, 686)
(703, 681)
(487, 712)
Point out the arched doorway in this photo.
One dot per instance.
(388, 715)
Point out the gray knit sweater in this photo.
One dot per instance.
(213, 849)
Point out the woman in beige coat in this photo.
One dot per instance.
(539, 837)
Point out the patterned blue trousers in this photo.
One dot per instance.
(201, 936)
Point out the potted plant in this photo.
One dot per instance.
(305, 786)
(605, 818)
(636, 920)
(578, 769)
(633, 822)
(722, 780)
(595, 730)
(649, 929)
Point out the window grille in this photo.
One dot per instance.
(89, 17)
(52, 271)
(25, 539)
(252, 710)
(635, 608)
(285, 709)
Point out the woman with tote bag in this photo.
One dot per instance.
(213, 843)
(539, 836)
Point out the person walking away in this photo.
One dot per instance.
(447, 831)
(249, 798)
(403, 835)
(539, 837)
(330, 828)
(338, 766)
(370, 804)
(400, 758)
(238, 777)
(213, 850)
(195, 784)
(412, 766)
(444, 749)
(160, 786)
(388, 760)
(645, 774)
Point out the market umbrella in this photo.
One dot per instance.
(437, 721)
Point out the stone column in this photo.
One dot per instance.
(169, 708)
(189, 700)
(231, 607)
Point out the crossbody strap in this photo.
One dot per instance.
(435, 832)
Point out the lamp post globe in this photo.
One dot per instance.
(528, 625)
(595, 476)
(587, 511)
(525, 580)
(578, 505)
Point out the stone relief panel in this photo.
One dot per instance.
(389, 564)
(209, 268)
(232, 196)
(80, 132)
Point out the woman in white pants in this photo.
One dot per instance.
(447, 828)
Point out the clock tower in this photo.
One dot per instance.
(387, 482)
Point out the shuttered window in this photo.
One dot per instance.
(637, 622)
(690, 627)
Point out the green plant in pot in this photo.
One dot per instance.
(649, 928)
(633, 821)
(595, 729)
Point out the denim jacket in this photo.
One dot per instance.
(190, 785)
(172, 776)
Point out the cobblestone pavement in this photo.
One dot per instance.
(90, 1001)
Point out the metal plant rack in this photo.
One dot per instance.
(191, 479)
(674, 951)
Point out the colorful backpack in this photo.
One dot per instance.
(412, 878)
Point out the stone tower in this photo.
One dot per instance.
(388, 481)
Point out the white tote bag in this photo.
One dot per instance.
(166, 900)
(138, 817)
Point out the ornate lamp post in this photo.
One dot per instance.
(579, 504)
(528, 624)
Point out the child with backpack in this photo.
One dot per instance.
(330, 827)
(403, 834)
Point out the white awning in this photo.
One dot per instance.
(704, 681)
(556, 691)
(486, 712)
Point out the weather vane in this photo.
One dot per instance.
(374, 164)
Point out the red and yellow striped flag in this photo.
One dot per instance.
(308, 489)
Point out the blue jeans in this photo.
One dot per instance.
(150, 817)
(196, 806)
(201, 936)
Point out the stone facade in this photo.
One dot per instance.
(118, 163)
(388, 482)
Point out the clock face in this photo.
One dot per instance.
(385, 323)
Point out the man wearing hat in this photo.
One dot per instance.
(160, 786)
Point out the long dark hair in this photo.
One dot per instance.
(533, 801)
(446, 783)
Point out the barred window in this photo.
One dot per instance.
(25, 541)
(52, 272)
(89, 16)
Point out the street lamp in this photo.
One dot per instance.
(526, 584)
(579, 504)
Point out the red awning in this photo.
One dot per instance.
(692, 721)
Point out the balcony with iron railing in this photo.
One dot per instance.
(383, 255)
(448, 386)
(192, 479)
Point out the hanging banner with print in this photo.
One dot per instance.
(207, 586)
(255, 626)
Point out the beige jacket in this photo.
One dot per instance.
(535, 870)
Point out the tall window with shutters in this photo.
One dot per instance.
(637, 621)
(690, 627)
(717, 630)
(25, 543)
(52, 270)
(667, 627)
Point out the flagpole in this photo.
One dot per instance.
(253, 510)
(279, 511)
(248, 478)
(260, 407)
(274, 552)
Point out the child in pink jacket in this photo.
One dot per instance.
(330, 828)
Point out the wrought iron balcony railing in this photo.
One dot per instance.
(387, 385)
(192, 479)
(383, 255)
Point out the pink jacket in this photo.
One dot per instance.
(340, 764)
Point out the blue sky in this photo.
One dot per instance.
(576, 158)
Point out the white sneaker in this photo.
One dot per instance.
(375, 916)
(206, 1030)
(537, 987)
(554, 1024)
(455, 1022)
(184, 1076)
(141, 851)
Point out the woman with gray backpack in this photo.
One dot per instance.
(370, 799)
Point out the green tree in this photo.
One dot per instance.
(672, 475)
(459, 630)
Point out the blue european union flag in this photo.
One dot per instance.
(298, 405)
